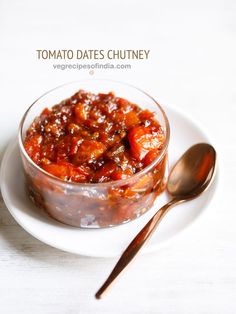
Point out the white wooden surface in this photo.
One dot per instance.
(193, 45)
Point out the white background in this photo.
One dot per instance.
(191, 67)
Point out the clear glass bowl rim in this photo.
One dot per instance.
(99, 184)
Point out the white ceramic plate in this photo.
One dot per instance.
(112, 241)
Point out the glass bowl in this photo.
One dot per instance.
(95, 205)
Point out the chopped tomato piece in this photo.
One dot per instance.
(150, 157)
(131, 119)
(75, 143)
(81, 112)
(146, 115)
(144, 184)
(89, 150)
(45, 112)
(121, 174)
(58, 170)
(67, 171)
(79, 174)
(142, 140)
(103, 174)
(73, 128)
(122, 102)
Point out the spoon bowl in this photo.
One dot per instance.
(193, 172)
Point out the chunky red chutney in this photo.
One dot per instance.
(94, 138)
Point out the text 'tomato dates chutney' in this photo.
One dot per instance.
(94, 159)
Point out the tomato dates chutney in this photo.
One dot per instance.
(96, 138)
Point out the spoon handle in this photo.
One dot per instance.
(135, 246)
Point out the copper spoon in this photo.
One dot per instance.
(190, 176)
